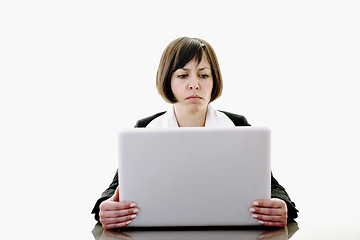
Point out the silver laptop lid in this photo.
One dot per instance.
(194, 176)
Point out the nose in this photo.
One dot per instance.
(193, 83)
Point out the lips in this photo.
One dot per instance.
(193, 97)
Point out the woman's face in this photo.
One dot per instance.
(192, 85)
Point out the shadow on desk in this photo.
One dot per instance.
(199, 233)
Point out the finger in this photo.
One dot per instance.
(115, 197)
(108, 223)
(273, 203)
(272, 224)
(116, 225)
(120, 213)
(118, 219)
(267, 211)
(113, 206)
(267, 218)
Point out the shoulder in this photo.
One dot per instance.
(145, 121)
(238, 120)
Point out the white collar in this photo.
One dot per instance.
(214, 118)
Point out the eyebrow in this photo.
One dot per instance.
(200, 69)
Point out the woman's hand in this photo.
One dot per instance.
(115, 213)
(270, 212)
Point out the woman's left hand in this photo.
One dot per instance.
(270, 212)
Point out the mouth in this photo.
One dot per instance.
(193, 97)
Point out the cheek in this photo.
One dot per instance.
(210, 87)
(174, 87)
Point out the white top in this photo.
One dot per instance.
(214, 118)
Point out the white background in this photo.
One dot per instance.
(72, 73)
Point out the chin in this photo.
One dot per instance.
(195, 108)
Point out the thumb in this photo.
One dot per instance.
(115, 197)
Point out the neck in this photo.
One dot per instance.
(190, 119)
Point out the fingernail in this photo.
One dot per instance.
(261, 222)
(254, 216)
(136, 210)
(256, 203)
(128, 222)
(133, 205)
(252, 209)
(133, 216)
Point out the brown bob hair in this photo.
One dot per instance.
(176, 55)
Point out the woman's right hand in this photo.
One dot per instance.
(115, 213)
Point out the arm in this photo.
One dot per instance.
(276, 211)
(108, 193)
(115, 213)
(277, 191)
(110, 211)
(280, 198)
(111, 190)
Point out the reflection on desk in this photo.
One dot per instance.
(200, 233)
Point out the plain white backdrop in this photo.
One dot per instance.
(72, 73)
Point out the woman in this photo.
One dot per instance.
(189, 78)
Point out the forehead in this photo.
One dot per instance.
(203, 64)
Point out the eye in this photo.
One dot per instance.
(204, 76)
(182, 76)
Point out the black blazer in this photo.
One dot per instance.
(277, 191)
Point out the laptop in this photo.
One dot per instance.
(194, 176)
